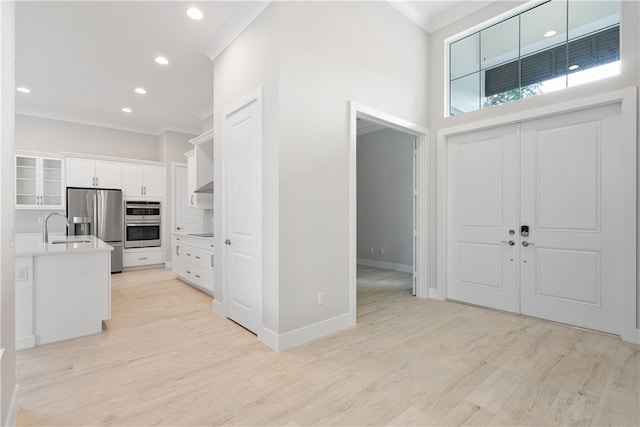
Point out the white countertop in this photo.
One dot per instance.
(30, 245)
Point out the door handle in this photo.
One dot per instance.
(227, 242)
(525, 244)
(509, 242)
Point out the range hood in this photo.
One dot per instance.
(206, 189)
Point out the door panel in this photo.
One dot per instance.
(243, 138)
(483, 172)
(570, 201)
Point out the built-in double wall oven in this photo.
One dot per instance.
(142, 224)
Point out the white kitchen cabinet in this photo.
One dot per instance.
(200, 166)
(193, 261)
(39, 182)
(86, 172)
(142, 257)
(142, 180)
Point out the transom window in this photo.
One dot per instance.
(557, 44)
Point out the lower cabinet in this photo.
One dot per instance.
(142, 257)
(193, 261)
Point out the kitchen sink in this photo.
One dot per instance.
(55, 242)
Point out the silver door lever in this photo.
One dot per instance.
(525, 244)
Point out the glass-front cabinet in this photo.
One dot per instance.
(39, 182)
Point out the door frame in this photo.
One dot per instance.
(421, 253)
(627, 99)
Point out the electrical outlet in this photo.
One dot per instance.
(40, 220)
(320, 298)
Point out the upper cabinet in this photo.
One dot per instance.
(142, 180)
(39, 182)
(200, 175)
(84, 172)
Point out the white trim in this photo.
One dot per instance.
(627, 98)
(422, 254)
(28, 341)
(243, 16)
(305, 334)
(14, 408)
(70, 118)
(386, 265)
(66, 154)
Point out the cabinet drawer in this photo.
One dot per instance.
(134, 259)
(197, 256)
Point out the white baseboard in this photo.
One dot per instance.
(168, 265)
(25, 342)
(305, 334)
(218, 308)
(386, 265)
(14, 408)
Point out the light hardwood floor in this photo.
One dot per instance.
(165, 359)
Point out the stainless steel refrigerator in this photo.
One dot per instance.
(98, 213)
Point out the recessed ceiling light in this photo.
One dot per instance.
(162, 60)
(23, 90)
(574, 67)
(126, 110)
(194, 13)
(140, 90)
(550, 33)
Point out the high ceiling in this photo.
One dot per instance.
(82, 60)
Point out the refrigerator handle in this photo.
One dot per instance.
(95, 214)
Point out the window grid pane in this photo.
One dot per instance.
(517, 60)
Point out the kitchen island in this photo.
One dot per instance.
(63, 288)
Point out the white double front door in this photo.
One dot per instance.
(559, 177)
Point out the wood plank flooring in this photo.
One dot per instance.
(165, 359)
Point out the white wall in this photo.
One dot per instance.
(331, 53)
(53, 136)
(312, 59)
(629, 77)
(385, 189)
(7, 265)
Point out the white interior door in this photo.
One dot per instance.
(242, 144)
(187, 219)
(571, 270)
(483, 171)
(558, 176)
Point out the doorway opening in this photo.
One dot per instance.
(385, 196)
(388, 206)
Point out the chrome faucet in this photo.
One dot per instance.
(45, 230)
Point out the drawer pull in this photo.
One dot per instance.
(188, 254)
(197, 257)
(141, 258)
(197, 276)
(188, 272)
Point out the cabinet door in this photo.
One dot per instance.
(109, 174)
(80, 172)
(133, 179)
(51, 183)
(191, 180)
(26, 182)
(153, 181)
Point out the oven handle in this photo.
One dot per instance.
(131, 224)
